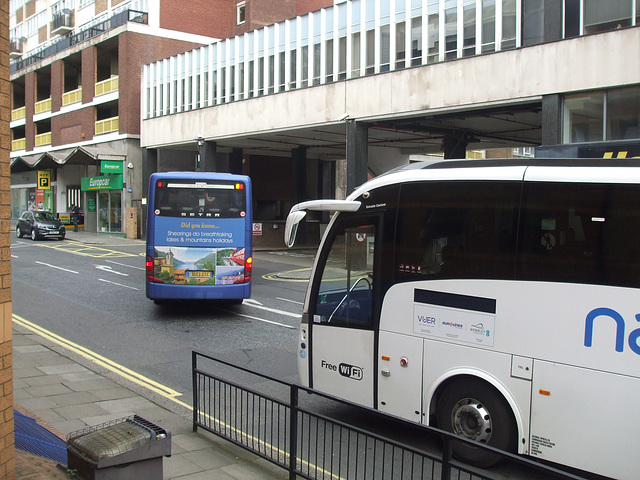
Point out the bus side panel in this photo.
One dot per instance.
(586, 419)
(342, 363)
(400, 370)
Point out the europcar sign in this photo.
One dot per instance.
(109, 182)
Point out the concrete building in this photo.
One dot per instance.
(75, 94)
(314, 105)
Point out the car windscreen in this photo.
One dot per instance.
(44, 216)
(188, 198)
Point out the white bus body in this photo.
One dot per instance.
(497, 300)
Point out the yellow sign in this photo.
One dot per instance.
(44, 179)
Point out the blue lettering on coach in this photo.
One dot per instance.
(634, 336)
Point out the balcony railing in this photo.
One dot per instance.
(43, 105)
(107, 125)
(43, 139)
(107, 86)
(18, 113)
(65, 42)
(62, 22)
(19, 144)
(74, 96)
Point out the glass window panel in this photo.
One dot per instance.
(600, 16)
(571, 18)
(433, 32)
(469, 29)
(355, 55)
(623, 114)
(371, 55)
(342, 58)
(329, 61)
(416, 41)
(385, 47)
(451, 32)
(583, 118)
(488, 26)
(508, 24)
(400, 45)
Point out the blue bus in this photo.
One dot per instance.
(199, 237)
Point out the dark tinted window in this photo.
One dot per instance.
(186, 198)
(580, 233)
(456, 230)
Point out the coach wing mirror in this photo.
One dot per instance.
(291, 227)
(299, 211)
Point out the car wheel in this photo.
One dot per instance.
(34, 235)
(18, 232)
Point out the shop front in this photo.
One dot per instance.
(104, 202)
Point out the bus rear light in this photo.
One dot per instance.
(149, 268)
(248, 269)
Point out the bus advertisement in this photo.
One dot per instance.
(199, 237)
(498, 300)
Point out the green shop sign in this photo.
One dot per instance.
(111, 166)
(110, 182)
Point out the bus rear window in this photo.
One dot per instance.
(179, 198)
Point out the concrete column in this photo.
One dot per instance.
(208, 158)
(454, 146)
(357, 154)
(149, 166)
(299, 174)
(235, 161)
(551, 120)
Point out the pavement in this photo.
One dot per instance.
(66, 392)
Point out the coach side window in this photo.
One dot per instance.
(456, 230)
(580, 233)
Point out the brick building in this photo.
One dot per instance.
(7, 457)
(75, 93)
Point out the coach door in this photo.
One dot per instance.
(342, 311)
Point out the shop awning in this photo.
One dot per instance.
(89, 154)
(86, 155)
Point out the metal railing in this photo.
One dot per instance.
(107, 125)
(295, 432)
(70, 40)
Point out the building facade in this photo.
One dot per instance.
(327, 99)
(75, 95)
(7, 451)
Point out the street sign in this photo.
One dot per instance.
(44, 179)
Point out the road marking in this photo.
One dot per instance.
(110, 365)
(118, 284)
(290, 301)
(59, 268)
(107, 268)
(264, 320)
(125, 265)
(143, 381)
(289, 276)
(252, 303)
(78, 248)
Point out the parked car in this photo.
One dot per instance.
(40, 224)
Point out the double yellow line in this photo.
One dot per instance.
(100, 360)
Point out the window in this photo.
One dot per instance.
(241, 12)
(597, 16)
(345, 293)
(580, 233)
(456, 230)
(176, 198)
(35, 22)
(603, 115)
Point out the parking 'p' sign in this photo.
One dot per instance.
(44, 179)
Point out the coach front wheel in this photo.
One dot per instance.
(473, 409)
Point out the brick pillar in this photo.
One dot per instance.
(88, 69)
(7, 451)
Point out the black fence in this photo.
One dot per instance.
(316, 436)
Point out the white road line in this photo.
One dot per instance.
(125, 265)
(118, 284)
(261, 319)
(59, 268)
(291, 301)
(252, 303)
